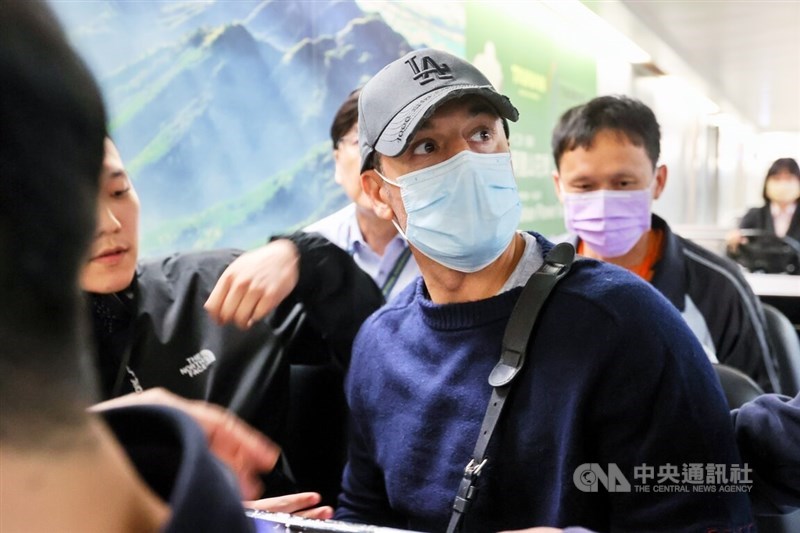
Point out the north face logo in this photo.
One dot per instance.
(429, 69)
(198, 363)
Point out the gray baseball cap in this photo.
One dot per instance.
(406, 92)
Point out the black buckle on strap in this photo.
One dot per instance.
(467, 489)
(551, 267)
(472, 470)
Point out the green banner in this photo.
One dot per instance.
(543, 76)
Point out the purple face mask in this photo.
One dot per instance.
(610, 222)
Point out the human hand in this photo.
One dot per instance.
(254, 284)
(241, 447)
(301, 504)
(734, 239)
(536, 530)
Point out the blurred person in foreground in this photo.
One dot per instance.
(65, 468)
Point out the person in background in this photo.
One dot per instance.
(601, 384)
(152, 330)
(66, 467)
(372, 240)
(607, 176)
(779, 215)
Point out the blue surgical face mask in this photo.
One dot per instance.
(463, 212)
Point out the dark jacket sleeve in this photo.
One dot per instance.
(336, 294)
(755, 219)
(768, 435)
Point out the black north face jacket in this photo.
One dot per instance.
(157, 334)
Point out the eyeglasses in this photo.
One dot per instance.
(348, 141)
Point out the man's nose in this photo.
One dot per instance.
(456, 147)
(107, 221)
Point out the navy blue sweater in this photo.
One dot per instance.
(613, 375)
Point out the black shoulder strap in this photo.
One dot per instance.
(515, 342)
(394, 274)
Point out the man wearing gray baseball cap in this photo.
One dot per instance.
(604, 394)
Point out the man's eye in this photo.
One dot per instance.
(482, 136)
(423, 148)
(121, 192)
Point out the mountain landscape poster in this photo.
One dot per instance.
(221, 109)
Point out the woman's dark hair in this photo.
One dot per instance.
(784, 164)
(346, 117)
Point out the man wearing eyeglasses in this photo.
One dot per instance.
(372, 240)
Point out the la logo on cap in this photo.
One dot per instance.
(429, 67)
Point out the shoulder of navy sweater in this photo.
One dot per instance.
(611, 288)
(606, 319)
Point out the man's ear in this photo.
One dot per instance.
(372, 185)
(661, 181)
(557, 185)
(336, 175)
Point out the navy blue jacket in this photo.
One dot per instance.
(768, 432)
(171, 454)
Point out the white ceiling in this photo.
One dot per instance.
(747, 51)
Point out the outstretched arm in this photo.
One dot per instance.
(305, 268)
(254, 284)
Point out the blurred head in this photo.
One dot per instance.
(344, 135)
(606, 176)
(782, 184)
(52, 125)
(435, 158)
(111, 264)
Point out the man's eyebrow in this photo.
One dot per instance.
(118, 173)
(477, 108)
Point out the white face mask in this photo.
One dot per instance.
(463, 212)
(783, 191)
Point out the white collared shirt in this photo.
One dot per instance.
(782, 218)
(341, 228)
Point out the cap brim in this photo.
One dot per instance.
(397, 134)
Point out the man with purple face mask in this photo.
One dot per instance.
(607, 175)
